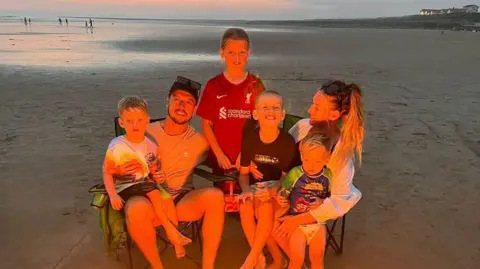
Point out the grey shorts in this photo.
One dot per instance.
(264, 184)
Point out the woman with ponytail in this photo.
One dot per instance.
(337, 110)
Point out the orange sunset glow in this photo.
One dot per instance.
(190, 3)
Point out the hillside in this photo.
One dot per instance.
(444, 22)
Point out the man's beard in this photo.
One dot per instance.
(177, 121)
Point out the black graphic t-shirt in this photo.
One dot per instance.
(271, 159)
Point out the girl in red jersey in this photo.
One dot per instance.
(228, 101)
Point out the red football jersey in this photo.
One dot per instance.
(228, 106)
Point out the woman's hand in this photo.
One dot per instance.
(288, 225)
(315, 204)
(282, 201)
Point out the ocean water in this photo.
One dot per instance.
(48, 43)
(112, 42)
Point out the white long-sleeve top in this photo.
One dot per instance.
(343, 194)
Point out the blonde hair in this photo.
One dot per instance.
(268, 92)
(132, 102)
(314, 139)
(349, 104)
(234, 34)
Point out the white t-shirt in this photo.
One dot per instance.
(120, 150)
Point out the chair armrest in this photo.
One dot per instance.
(99, 188)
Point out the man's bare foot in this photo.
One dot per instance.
(249, 263)
(261, 262)
(179, 251)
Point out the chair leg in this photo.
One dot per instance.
(166, 243)
(194, 230)
(129, 251)
(331, 241)
(199, 225)
(343, 233)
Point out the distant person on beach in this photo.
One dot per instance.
(180, 150)
(29, 21)
(272, 150)
(135, 148)
(91, 23)
(25, 20)
(86, 24)
(66, 21)
(60, 21)
(339, 105)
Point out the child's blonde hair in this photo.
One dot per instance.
(234, 34)
(132, 102)
(317, 137)
(268, 92)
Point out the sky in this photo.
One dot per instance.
(226, 9)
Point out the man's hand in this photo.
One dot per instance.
(255, 172)
(116, 201)
(159, 176)
(288, 225)
(153, 167)
(224, 161)
(244, 196)
(127, 169)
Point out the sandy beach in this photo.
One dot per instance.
(59, 88)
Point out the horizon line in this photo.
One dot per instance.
(204, 19)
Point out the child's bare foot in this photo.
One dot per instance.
(177, 238)
(249, 263)
(179, 251)
(261, 262)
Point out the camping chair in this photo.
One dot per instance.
(288, 123)
(113, 222)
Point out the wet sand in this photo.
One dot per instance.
(421, 165)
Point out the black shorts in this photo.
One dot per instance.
(180, 196)
(137, 190)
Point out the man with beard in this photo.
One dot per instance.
(180, 149)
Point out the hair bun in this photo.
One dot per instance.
(345, 94)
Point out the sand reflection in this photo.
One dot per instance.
(48, 44)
